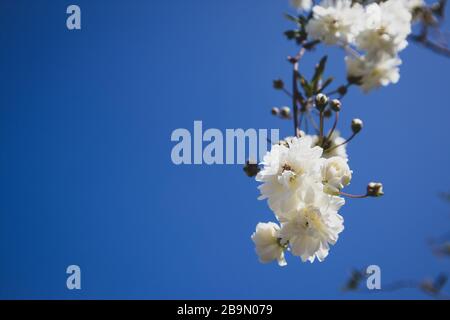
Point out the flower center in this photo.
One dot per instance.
(310, 221)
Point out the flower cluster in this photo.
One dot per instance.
(372, 34)
(302, 188)
(302, 177)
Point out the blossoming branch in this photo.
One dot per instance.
(303, 176)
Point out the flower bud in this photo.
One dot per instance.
(251, 168)
(275, 111)
(354, 80)
(336, 174)
(335, 105)
(357, 125)
(278, 84)
(267, 243)
(327, 113)
(375, 189)
(321, 101)
(342, 90)
(285, 112)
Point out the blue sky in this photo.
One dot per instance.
(86, 174)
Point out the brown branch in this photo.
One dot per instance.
(295, 91)
(336, 119)
(341, 144)
(429, 44)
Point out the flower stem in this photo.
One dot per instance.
(354, 196)
(302, 113)
(287, 92)
(294, 99)
(311, 119)
(335, 91)
(341, 144)
(336, 119)
(321, 117)
(295, 92)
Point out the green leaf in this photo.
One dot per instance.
(292, 18)
(320, 67)
(291, 34)
(310, 45)
(325, 84)
(302, 21)
(307, 88)
(318, 72)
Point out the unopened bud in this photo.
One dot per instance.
(275, 111)
(327, 113)
(342, 90)
(285, 112)
(335, 105)
(375, 189)
(357, 125)
(321, 101)
(278, 84)
(354, 80)
(251, 168)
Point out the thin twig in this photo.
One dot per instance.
(287, 92)
(336, 119)
(354, 196)
(313, 122)
(321, 119)
(296, 95)
(341, 144)
(433, 46)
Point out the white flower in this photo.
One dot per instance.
(304, 5)
(336, 174)
(386, 28)
(267, 243)
(288, 167)
(373, 73)
(334, 140)
(313, 226)
(335, 21)
(409, 4)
